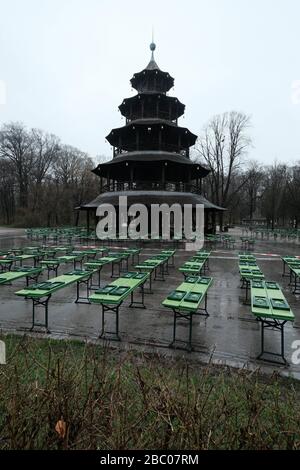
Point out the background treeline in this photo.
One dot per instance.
(42, 180)
(251, 191)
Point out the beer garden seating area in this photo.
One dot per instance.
(67, 257)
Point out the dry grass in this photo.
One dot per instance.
(69, 395)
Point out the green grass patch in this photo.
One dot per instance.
(71, 395)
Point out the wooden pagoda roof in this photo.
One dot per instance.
(115, 167)
(151, 197)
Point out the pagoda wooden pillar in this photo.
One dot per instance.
(189, 175)
(213, 218)
(163, 175)
(131, 176)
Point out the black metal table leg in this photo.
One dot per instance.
(34, 278)
(247, 290)
(98, 285)
(273, 325)
(187, 315)
(80, 299)
(283, 272)
(174, 329)
(135, 303)
(110, 335)
(52, 268)
(43, 303)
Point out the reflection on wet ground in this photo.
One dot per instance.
(230, 335)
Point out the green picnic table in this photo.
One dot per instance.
(202, 256)
(196, 265)
(41, 293)
(295, 277)
(63, 248)
(32, 248)
(29, 272)
(164, 257)
(228, 241)
(246, 257)
(150, 266)
(185, 302)
(91, 250)
(17, 251)
(134, 253)
(8, 260)
(247, 242)
(52, 265)
(211, 238)
(286, 261)
(44, 250)
(192, 268)
(98, 264)
(123, 257)
(88, 254)
(171, 253)
(293, 265)
(249, 271)
(112, 296)
(270, 307)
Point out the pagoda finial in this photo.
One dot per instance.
(152, 64)
(152, 45)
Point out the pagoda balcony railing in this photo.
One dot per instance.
(160, 115)
(171, 186)
(117, 151)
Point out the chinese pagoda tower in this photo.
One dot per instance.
(151, 152)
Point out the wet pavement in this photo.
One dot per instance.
(230, 335)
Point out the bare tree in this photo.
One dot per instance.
(7, 191)
(45, 150)
(253, 187)
(292, 203)
(15, 145)
(273, 197)
(222, 147)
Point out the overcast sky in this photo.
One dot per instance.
(65, 65)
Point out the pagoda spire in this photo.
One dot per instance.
(152, 45)
(152, 64)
